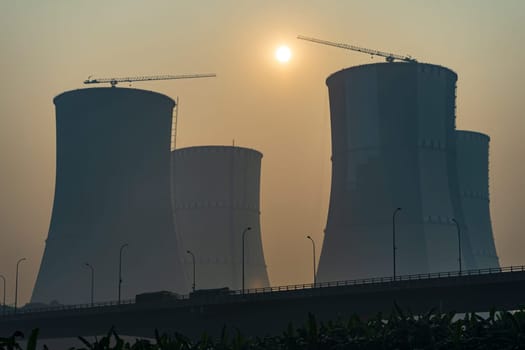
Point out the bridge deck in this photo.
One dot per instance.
(270, 312)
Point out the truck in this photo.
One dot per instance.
(156, 297)
(210, 293)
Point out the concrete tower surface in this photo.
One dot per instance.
(216, 197)
(112, 188)
(473, 172)
(393, 145)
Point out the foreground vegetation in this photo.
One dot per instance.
(400, 330)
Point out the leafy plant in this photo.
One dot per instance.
(400, 330)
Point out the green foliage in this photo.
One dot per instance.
(400, 330)
(11, 342)
(31, 342)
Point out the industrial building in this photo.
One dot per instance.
(216, 191)
(409, 193)
(393, 146)
(112, 196)
(473, 172)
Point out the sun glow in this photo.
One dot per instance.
(283, 54)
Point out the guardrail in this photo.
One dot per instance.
(36, 309)
(293, 287)
(378, 280)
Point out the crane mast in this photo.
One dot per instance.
(389, 57)
(115, 81)
(174, 123)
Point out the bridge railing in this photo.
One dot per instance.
(289, 288)
(29, 309)
(378, 280)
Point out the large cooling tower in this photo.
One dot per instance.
(473, 171)
(216, 197)
(393, 145)
(112, 188)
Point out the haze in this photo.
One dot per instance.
(280, 110)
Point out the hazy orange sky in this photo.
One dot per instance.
(48, 47)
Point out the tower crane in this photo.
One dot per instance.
(115, 81)
(389, 57)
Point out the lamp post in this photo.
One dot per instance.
(120, 270)
(16, 282)
(394, 248)
(193, 259)
(243, 235)
(92, 281)
(459, 244)
(313, 247)
(3, 303)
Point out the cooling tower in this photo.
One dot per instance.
(216, 197)
(393, 145)
(112, 188)
(473, 172)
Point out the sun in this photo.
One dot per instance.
(283, 54)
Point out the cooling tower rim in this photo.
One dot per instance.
(469, 134)
(369, 65)
(87, 90)
(213, 148)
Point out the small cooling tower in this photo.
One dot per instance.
(216, 197)
(473, 172)
(112, 188)
(393, 145)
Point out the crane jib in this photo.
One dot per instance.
(390, 57)
(115, 81)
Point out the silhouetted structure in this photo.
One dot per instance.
(216, 197)
(473, 171)
(393, 145)
(112, 187)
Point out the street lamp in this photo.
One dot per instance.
(16, 282)
(313, 247)
(394, 248)
(3, 303)
(459, 243)
(243, 235)
(193, 259)
(92, 281)
(120, 270)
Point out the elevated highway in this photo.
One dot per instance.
(269, 310)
